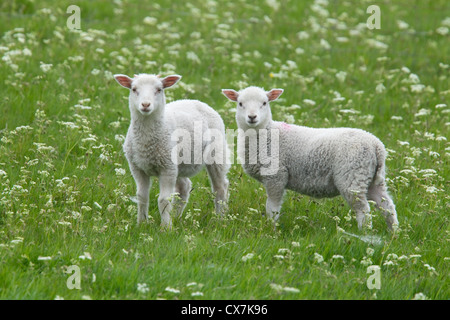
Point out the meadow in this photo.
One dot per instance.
(65, 186)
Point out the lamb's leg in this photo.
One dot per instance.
(358, 202)
(275, 193)
(378, 193)
(219, 183)
(183, 188)
(166, 192)
(143, 184)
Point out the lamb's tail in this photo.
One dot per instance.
(380, 173)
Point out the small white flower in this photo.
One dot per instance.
(142, 288)
(190, 55)
(46, 66)
(302, 35)
(442, 31)
(417, 87)
(44, 258)
(325, 44)
(380, 88)
(370, 251)
(120, 171)
(420, 296)
(432, 189)
(150, 21)
(191, 284)
(274, 4)
(248, 256)
(366, 261)
(406, 70)
(422, 112)
(290, 289)
(341, 75)
(85, 256)
(309, 102)
(318, 258)
(197, 294)
(276, 287)
(173, 290)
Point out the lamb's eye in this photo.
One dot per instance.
(134, 90)
(158, 90)
(264, 103)
(240, 104)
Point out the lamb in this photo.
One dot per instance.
(150, 145)
(315, 162)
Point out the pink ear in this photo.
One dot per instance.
(230, 94)
(123, 80)
(274, 94)
(170, 81)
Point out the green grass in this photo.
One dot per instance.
(60, 196)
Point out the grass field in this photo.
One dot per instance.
(65, 185)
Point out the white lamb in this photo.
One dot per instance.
(314, 162)
(149, 145)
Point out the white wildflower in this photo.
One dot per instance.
(120, 171)
(150, 21)
(325, 44)
(274, 4)
(190, 55)
(44, 258)
(318, 258)
(417, 87)
(45, 67)
(341, 75)
(420, 296)
(85, 256)
(380, 88)
(173, 290)
(248, 256)
(309, 102)
(290, 289)
(197, 294)
(142, 288)
(370, 251)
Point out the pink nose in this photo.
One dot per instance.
(146, 105)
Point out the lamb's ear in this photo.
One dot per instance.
(274, 94)
(170, 81)
(123, 80)
(230, 94)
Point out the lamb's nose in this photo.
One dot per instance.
(252, 118)
(145, 105)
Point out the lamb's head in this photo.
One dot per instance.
(146, 91)
(253, 110)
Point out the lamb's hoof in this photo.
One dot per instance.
(142, 219)
(166, 226)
